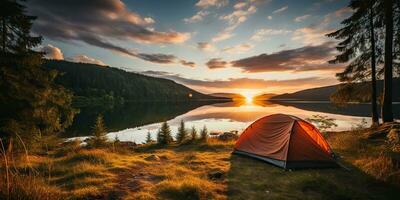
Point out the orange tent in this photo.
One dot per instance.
(285, 141)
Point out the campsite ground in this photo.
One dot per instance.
(206, 171)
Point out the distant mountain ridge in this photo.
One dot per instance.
(95, 83)
(232, 96)
(324, 93)
(265, 96)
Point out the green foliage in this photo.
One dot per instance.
(323, 123)
(99, 138)
(204, 134)
(193, 134)
(15, 28)
(100, 85)
(31, 103)
(360, 126)
(182, 133)
(351, 92)
(164, 134)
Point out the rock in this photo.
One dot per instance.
(216, 175)
(215, 133)
(152, 158)
(393, 136)
(127, 144)
(228, 136)
(164, 157)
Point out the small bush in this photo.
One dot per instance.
(187, 188)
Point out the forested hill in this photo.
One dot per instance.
(324, 93)
(95, 83)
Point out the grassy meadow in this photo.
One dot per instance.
(198, 170)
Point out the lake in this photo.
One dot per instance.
(131, 122)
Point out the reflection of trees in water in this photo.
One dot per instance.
(360, 110)
(129, 115)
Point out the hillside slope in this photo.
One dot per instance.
(107, 83)
(324, 93)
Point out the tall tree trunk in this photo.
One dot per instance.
(4, 29)
(387, 115)
(375, 117)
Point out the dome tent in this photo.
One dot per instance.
(285, 141)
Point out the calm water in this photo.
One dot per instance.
(132, 122)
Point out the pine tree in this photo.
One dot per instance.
(358, 47)
(31, 103)
(164, 134)
(99, 137)
(148, 138)
(182, 133)
(193, 134)
(204, 134)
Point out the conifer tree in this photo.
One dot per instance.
(99, 137)
(31, 103)
(164, 134)
(358, 47)
(182, 133)
(193, 134)
(148, 138)
(204, 134)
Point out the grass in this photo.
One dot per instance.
(186, 172)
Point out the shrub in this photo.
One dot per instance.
(323, 123)
(187, 188)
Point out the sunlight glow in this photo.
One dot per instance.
(249, 99)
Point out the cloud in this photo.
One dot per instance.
(187, 63)
(98, 23)
(197, 17)
(243, 83)
(269, 17)
(85, 59)
(241, 48)
(280, 9)
(240, 5)
(260, 34)
(241, 12)
(52, 52)
(158, 58)
(302, 18)
(314, 34)
(205, 46)
(212, 3)
(306, 58)
(216, 63)
(226, 34)
(239, 15)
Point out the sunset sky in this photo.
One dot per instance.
(244, 46)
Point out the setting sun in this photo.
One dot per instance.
(249, 99)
